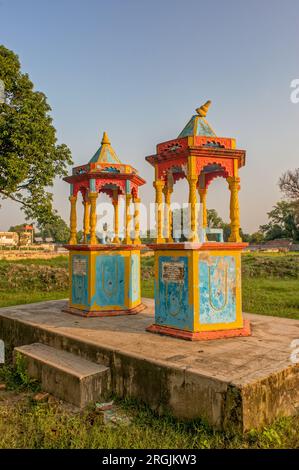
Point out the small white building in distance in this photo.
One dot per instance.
(9, 239)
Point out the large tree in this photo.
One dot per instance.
(59, 231)
(30, 157)
(282, 222)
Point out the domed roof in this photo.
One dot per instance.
(198, 125)
(105, 154)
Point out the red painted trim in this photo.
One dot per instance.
(207, 246)
(98, 176)
(112, 247)
(201, 335)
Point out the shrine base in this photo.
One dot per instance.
(105, 280)
(198, 291)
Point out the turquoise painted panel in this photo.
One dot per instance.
(128, 187)
(134, 290)
(80, 280)
(110, 281)
(204, 129)
(92, 185)
(188, 129)
(217, 289)
(171, 293)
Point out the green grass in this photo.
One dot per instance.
(24, 297)
(277, 297)
(29, 424)
(59, 261)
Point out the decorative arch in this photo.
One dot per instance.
(226, 164)
(164, 167)
(100, 183)
(81, 186)
(217, 174)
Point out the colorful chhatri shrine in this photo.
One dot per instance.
(197, 283)
(105, 278)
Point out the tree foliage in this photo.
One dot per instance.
(58, 231)
(30, 157)
(282, 222)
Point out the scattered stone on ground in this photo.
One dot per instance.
(112, 414)
(41, 397)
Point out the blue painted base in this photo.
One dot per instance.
(104, 280)
(198, 290)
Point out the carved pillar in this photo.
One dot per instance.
(234, 186)
(128, 218)
(137, 240)
(192, 180)
(86, 216)
(168, 214)
(116, 224)
(159, 185)
(73, 221)
(93, 217)
(203, 200)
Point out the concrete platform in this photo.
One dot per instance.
(238, 383)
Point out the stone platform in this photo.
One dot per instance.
(237, 383)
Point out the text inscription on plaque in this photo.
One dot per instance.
(80, 266)
(173, 272)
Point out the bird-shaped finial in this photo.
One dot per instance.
(202, 111)
(105, 139)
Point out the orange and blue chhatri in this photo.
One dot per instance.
(197, 283)
(104, 278)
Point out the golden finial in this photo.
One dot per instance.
(105, 139)
(202, 111)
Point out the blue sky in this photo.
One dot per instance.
(138, 69)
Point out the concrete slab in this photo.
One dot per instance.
(66, 375)
(239, 383)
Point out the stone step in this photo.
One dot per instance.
(65, 375)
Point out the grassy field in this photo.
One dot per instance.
(270, 286)
(33, 280)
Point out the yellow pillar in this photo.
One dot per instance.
(116, 224)
(93, 217)
(128, 218)
(86, 224)
(137, 240)
(192, 180)
(203, 200)
(168, 214)
(159, 185)
(234, 186)
(73, 221)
